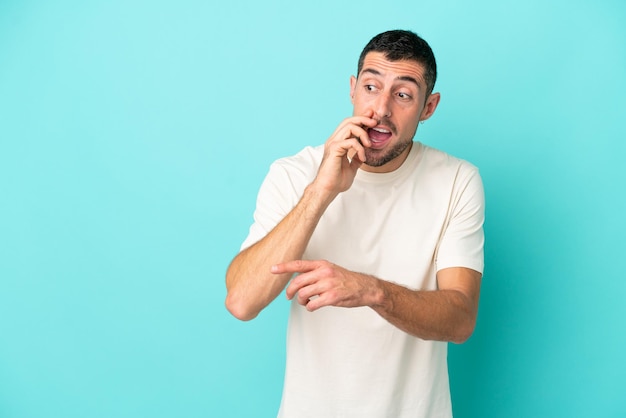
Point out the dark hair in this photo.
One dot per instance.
(403, 45)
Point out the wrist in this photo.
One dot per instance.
(381, 295)
(318, 196)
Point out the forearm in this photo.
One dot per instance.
(441, 315)
(446, 314)
(250, 284)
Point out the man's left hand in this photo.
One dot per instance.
(321, 283)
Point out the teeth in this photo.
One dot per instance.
(384, 131)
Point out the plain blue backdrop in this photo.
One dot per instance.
(134, 136)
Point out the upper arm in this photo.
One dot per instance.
(279, 193)
(462, 240)
(463, 280)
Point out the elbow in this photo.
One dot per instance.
(236, 302)
(238, 309)
(461, 338)
(464, 332)
(467, 314)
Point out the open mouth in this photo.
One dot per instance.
(378, 136)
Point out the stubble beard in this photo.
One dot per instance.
(378, 158)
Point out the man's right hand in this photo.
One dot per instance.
(344, 152)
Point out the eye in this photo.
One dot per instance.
(404, 96)
(370, 87)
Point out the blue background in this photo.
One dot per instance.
(134, 137)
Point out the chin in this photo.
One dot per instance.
(378, 158)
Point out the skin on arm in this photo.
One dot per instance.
(446, 314)
(250, 284)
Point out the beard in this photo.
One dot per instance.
(377, 158)
(380, 157)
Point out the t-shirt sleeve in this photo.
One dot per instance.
(281, 190)
(462, 243)
(276, 198)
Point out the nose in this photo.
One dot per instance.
(382, 106)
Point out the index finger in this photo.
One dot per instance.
(295, 266)
(362, 122)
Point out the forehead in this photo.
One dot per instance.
(376, 63)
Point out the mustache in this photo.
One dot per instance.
(388, 123)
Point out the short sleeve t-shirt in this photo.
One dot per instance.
(402, 227)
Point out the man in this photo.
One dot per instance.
(377, 223)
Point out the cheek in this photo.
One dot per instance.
(360, 105)
(409, 123)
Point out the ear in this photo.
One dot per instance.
(352, 88)
(430, 106)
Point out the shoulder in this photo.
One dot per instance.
(440, 160)
(447, 173)
(303, 165)
(309, 156)
(290, 175)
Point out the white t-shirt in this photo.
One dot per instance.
(403, 227)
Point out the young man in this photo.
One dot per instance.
(377, 223)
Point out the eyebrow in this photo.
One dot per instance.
(402, 77)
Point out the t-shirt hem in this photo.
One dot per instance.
(462, 262)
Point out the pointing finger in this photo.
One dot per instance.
(295, 266)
